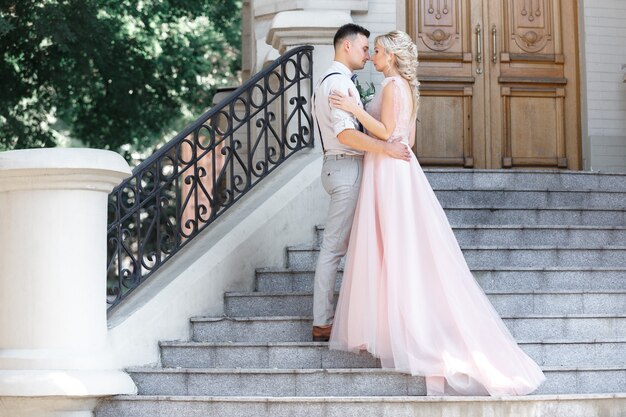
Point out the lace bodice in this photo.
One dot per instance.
(402, 108)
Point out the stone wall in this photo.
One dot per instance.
(605, 55)
(381, 18)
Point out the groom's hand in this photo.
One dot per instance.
(398, 150)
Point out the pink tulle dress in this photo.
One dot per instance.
(408, 296)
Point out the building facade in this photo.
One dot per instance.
(512, 84)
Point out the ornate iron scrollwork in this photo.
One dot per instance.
(188, 183)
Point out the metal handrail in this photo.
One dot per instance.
(183, 187)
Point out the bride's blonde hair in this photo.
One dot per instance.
(400, 44)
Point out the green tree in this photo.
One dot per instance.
(112, 73)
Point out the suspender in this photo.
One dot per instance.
(313, 103)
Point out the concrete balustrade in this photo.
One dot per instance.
(54, 358)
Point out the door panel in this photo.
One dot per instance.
(533, 127)
(441, 109)
(440, 27)
(443, 33)
(529, 26)
(499, 83)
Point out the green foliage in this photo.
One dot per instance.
(115, 74)
(366, 93)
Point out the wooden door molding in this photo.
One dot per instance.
(529, 26)
(440, 28)
(529, 33)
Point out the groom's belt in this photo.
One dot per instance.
(338, 156)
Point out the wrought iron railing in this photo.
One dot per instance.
(181, 189)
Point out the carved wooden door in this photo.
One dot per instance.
(499, 83)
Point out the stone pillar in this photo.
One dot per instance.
(308, 27)
(295, 28)
(53, 320)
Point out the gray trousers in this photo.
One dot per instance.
(341, 178)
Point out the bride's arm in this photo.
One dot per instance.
(383, 128)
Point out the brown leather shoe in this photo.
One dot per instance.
(321, 334)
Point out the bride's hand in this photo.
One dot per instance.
(348, 103)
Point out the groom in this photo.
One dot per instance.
(343, 145)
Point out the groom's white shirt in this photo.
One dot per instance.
(333, 121)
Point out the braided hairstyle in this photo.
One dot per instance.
(400, 44)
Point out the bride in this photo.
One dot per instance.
(408, 296)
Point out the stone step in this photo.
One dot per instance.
(562, 236)
(536, 216)
(316, 355)
(275, 382)
(576, 405)
(298, 328)
(511, 179)
(500, 279)
(344, 382)
(250, 304)
(283, 355)
(526, 198)
(305, 257)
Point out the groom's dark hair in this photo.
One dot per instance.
(349, 30)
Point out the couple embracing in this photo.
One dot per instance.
(407, 296)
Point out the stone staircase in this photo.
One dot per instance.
(549, 249)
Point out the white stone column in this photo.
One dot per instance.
(308, 27)
(53, 324)
(295, 28)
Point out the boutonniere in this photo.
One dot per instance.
(365, 92)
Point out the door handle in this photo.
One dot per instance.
(479, 48)
(494, 38)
